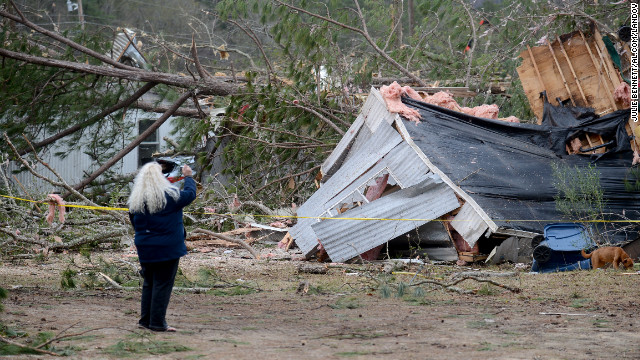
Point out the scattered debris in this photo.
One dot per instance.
(311, 268)
(578, 70)
(230, 239)
(380, 146)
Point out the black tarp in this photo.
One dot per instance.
(507, 167)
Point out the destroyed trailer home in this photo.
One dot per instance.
(464, 184)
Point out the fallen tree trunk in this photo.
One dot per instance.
(230, 239)
(208, 86)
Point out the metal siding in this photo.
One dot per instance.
(407, 167)
(364, 136)
(468, 199)
(345, 239)
(469, 224)
(348, 193)
(120, 43)
(373, 113)
(442, 253)
(402, 163)
(378, 146)
(434, 234)
(377, 113)
(385, 139)
(336, 157)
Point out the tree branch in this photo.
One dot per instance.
(134, 143)
(62, 183)
(122, 104)
(194, 53)
(473, 43)
(230, 239)
(253, 37)
(364, 33)
(208, 86)
(40, 351)
(101, 238)
(287, 177)
(24, 21)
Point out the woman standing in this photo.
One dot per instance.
(155, 211)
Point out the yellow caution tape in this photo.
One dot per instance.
(106, 208)
(70, 205)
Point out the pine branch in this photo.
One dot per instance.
(362, 32)
(122, 104)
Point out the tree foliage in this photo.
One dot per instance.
(303, 65)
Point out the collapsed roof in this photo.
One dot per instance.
(388, 175)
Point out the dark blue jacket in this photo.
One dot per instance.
(160, 236)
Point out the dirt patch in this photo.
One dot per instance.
(342, 314)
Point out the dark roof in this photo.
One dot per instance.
(507, 167)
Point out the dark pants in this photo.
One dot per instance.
(156, 292)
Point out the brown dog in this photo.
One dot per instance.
(609, 254)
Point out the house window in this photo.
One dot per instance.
(149, 145)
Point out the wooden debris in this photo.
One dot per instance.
(286, 242)
(311, 268)
(195, 290)
(230, 239)
(471, 257)
(566, 314)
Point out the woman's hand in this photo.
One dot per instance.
(186, 170)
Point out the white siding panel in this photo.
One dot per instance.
(469, 224)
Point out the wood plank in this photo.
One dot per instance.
(604, 64)
(589, 141)
(573, 72)
(595, 140)
(555, 59)
(616, 78)
(601, 142)
(587, 75)
(535, 66)
(599, 70)
(471, 257)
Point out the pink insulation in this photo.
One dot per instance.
(391, 95)
(576, 144)
(623, 94)
(511, 118)
(412, 93)
(442, 99)
(483, 111)
(446, 100)
(55, 201)
(636, 158)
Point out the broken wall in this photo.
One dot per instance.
(575, 69)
